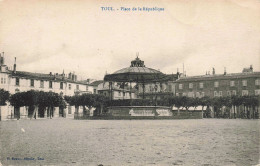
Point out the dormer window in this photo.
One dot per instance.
(61, 85)
(32, 82)
(42, 84)
(50, 84)
(17, 81)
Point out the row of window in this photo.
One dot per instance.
(219, 93)
(155, 88)
(124, 94)
(233, 92)
(216, 84)
(17, 82)
(192, 94)
(201, 85)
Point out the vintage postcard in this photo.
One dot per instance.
(130, 82)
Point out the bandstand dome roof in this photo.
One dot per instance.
(137, 72)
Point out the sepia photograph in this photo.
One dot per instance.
(130, 82)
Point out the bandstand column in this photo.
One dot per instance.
(110, 90)
(156, 88)
(130, 94)
(130, 91)
(143, 90)
(123, 90)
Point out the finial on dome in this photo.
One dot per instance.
(137, 62)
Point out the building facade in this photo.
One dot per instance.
(158, 89)
(215, 85)
(117, 92)
(19, 81)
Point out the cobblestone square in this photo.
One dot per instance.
(129, 142)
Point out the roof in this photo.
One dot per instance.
(172, 77)
(247, 70)
(96, 83)
(137, 69)
(219, 76)
(137, 72)
(42, 76)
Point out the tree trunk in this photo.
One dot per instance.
(257, 113)
(231, 112)
(34, 113)
(248, 112)
(234, 112)
(253, 112)
(244, 112)
(45, 112)
(203, 112)
(101, 109)
(49, 112)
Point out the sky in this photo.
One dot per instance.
(77, 36)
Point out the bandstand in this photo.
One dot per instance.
(140, 75)
(136, 73)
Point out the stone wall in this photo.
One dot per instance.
(148, 112)
(183, 114)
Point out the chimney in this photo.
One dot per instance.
(251, 67)
(225, 72)
(63, 75)
(14, 65)
(72, 77)
(213, 71)
(75, 77)
(1, 60)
